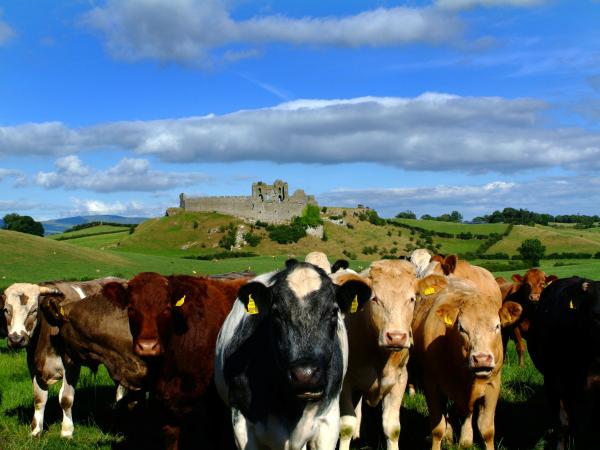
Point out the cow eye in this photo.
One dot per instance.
(498, 327)
(412, 299)
(461, 329)
(5, 311)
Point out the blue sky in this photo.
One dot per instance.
(117, 106)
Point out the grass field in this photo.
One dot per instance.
(455, 228)
(519, 418)
(91, 231)
(158, 246)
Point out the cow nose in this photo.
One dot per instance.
(397, 339)
(305, 377)
(16, 340)
(147, 347)
(482, 360)
(534, 297)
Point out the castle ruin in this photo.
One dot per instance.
(269, 203)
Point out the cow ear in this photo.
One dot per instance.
(339, 264)
(291, 263)
(256, 298)
(449, 264)
(551, 278)
(447, 314)
(51, 307)
(431, 284)
(517, 278)
(586, 286)
(116, 293)
(352, 295)
(510, 313)
(437, 258)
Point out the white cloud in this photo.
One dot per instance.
(97, 207)
(20, 179)
(554, 195)
(6, 32)
(431, 132)
(189, 30)
(128, 175)
(468, 4)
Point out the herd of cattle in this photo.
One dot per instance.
(285, 359)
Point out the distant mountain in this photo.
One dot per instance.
(60, 225)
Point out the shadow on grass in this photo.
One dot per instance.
(520, 425)
(94, 406)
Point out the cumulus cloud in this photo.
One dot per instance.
(6, 32)
(432, 132)
(551, 194)
(188, 30)
(129, 174)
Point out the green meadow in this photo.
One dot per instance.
(161, 244)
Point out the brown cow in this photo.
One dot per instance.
(44, 360)
(526, 291)
(480, 277)
(379, 338)
(458, 348)
(178, 318)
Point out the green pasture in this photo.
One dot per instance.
(455, 228)
(91, 231)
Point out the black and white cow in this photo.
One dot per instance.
(564, 344)
(281, 357)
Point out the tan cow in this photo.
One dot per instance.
(526, 291)
(480, 277)
(379, 338)
(458, 349)
(45, 362)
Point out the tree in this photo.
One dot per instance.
(408, 214)
(23, 224)
(532, 250)
(455, 216)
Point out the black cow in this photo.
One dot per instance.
(281, 357)
(564, 344)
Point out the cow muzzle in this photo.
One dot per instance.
(482, 364)
(534, 297)
(148, 348)
(17, 340)
(396, 340)
(306, 380)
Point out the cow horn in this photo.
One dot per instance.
(49, 290)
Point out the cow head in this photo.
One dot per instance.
(302, 310)
(533, 283)
(147, 298)
(20, 310)
(474, 326)
(395, 293)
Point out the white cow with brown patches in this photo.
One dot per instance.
(47, 364)
(379, 338)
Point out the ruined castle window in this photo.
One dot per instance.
(260, 197)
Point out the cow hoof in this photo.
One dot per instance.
(66, 434)
(36, 433)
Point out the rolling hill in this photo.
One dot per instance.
(60, 225)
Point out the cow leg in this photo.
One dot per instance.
(436, 417)
(244, 437)
(67, 397)
(40, 396)
(391, 411)
(520, 345)
(121, 392)
(487, 411)
(358, 414)
(329, 428)
(171, 436)
(466, 432)
(348, 420)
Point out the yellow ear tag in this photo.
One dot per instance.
(448, 321)
(251, 308)
(429, 291)
(181, 301)
(354, 305)
(571, 305)
(62, 311)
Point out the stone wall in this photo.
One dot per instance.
(268, 203)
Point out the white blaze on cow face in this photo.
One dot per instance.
(303, 281)
(20, 309)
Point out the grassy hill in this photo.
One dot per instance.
(27, 258)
